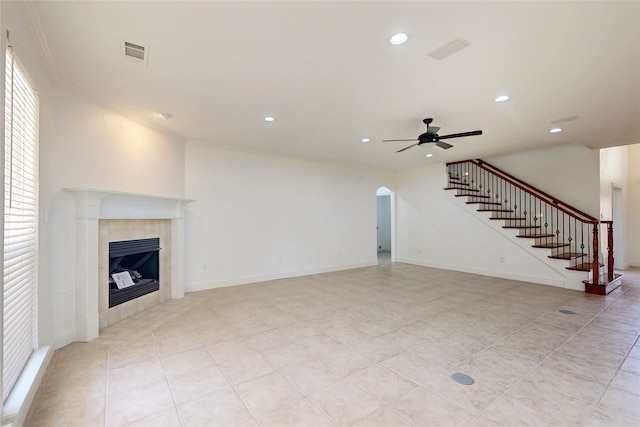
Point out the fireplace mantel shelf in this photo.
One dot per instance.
(105, 204)
(106, 193)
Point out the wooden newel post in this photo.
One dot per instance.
(610, 243)
(595, 265)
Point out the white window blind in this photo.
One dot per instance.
(20, 222)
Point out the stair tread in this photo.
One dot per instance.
(580, 267)
(521, 226)
(568, 255)
(585, 266)
(508, 218)
(484, 203)
(552, 245)
(473, 195)
(535, 235)
(461, 188)
(460, 183)
(495, 210)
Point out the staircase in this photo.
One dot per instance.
(550, 224)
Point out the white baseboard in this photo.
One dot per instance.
(633, 263)
(64, 340)
(16, 407)
(202, 286)
(490, 273)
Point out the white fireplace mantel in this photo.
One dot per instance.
(93, 205)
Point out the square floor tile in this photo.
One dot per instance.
(267, 394)
(197, 383)
(138, 403)
(384, 417)
(246, 368)
(220, 408)
(550, 401)
(311, 375)
(507, 411)
(382, 383)
(344, 402)
(181, 363)
(427, 409)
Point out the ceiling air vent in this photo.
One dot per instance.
(565, 120)
(448, 49)
(136, 53)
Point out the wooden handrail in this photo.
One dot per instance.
(554, 199)
(583, 217)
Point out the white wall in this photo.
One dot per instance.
(89, 146)
(567, 172)
(259, 217)
(633, 205)
(100, 149)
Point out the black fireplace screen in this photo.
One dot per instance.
(134, 269)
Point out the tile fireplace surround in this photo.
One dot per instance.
(93, 207)
(115, 230)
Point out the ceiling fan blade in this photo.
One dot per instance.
(433, 129)
(458, 135)
(395, 140)
(443, 145)
(406, 148)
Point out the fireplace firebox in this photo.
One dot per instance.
(134, 269)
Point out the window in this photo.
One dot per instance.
(20, 222)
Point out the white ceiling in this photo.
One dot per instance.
(328, 74)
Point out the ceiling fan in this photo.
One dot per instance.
(431, 135)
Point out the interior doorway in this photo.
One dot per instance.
(617, 215)
(385, 225)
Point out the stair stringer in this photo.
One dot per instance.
(569, 279)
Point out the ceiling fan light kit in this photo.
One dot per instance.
(431, 136)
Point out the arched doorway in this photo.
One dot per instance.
(385, 225)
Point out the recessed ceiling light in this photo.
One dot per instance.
(165, 116)
(502, 98)
(269, 119)
(398, 38)
(365, 140)
(555, 130)
(429, 155)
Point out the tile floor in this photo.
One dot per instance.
(367, 347)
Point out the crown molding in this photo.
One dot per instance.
(35, 24)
